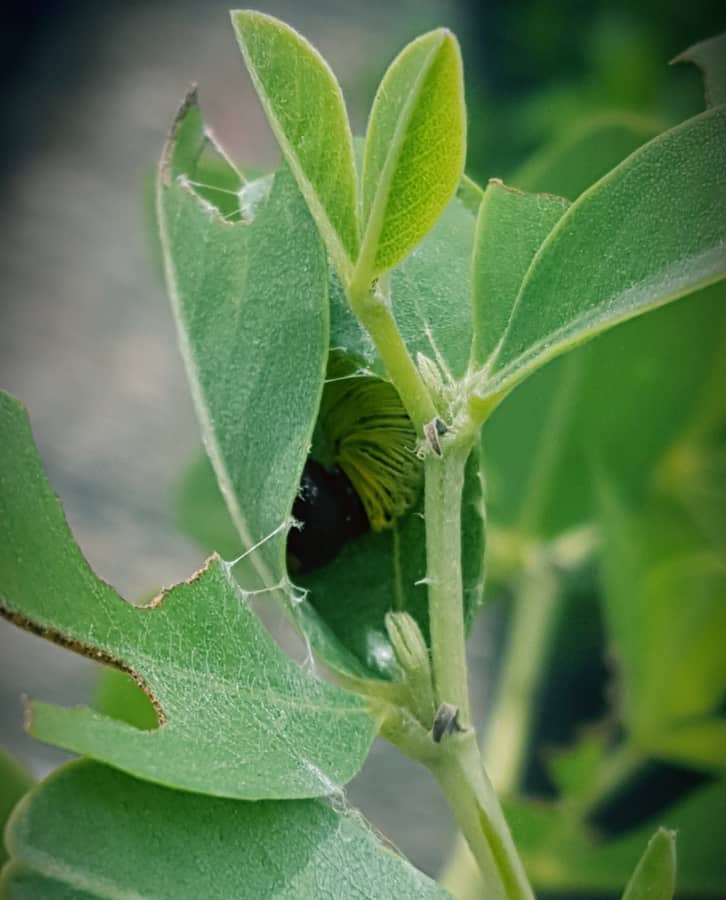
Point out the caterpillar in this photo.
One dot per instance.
(363, 473)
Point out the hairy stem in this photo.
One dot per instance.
(458, 768)
(535, 606)
(456, 761)
(375, 316)
(444, 479)
(478, 814)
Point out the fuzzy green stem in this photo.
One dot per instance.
(535, 605)
(444, 484)
(459, 768)
(478, 814)
(375, 316)
(456, 761)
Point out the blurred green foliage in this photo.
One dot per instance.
(536, 68)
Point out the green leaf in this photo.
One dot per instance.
(430, 297)
(382, 571)
(250, 302)
(343, 614)
(649, 232)
(562, 859)
(202, 513)
(347, 334)
(620, 402)
(239, 717)
(305, 108)
(510, 229)
(541, 443)
(211, 526)
(710, 57)
(655, 875)
(583, 154)
(470, 194)
(666, 619)
(89, 831)
(415, 149)
(431, 293)
(14, 782)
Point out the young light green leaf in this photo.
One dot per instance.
(89, 831)
(14, 782)
(583, 154)
(510, 229)
(415, 150)
(304, 106)
(250, 302)
(649, 232)
(710, 57)
(655, 875)
(240, 718)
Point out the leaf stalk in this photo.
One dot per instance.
(374, 314)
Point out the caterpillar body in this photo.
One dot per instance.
(364, 473)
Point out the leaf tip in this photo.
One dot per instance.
(242, 17)
(666, 838)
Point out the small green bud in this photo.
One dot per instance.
(413, 657)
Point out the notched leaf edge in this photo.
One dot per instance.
(497, 182)
(167, 180)
(82, 649)
(191, 100)
(58, 637)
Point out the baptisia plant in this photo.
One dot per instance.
(349, 324)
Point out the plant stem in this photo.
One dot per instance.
(458, 768)
(444, 480)
(456, 761)
(478, 814)
(375, 316)
(535, 605)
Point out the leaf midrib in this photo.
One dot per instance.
(376, 216)
(501, 382)
(334, 244)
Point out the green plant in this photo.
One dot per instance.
(387, 254)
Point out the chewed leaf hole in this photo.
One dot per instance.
(117, 695)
